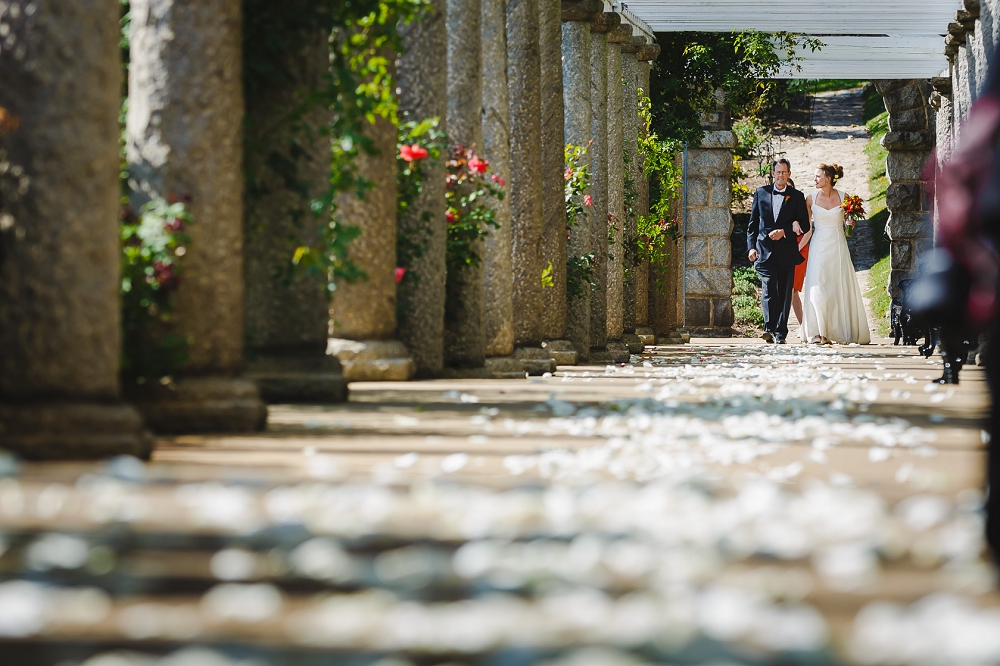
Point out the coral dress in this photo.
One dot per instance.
(800, 270)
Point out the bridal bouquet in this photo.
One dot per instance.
(854, 210)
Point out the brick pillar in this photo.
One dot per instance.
(708, 278)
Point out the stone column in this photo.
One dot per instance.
(498, 316)
(599, 179)
(59, 254)
(185, 136)
(465, 346)
(287, 309)
(421, 75)
(666, 299)
(630, 110)
(708, 277)
(524, 96)
(554, 307)
(576, 19)
(364, 312)
(941, 101)
(909, 141)
(616, 196)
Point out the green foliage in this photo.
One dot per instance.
(659, 230)
(152, 247)
(874, 104)
(747, 311)
(878, 296)
(580, 279)
(417, 142)
(693, 65)
(357, 88)
(755, 142)
(547, 280)
(878, 183)
(469, 215)
(739, 193)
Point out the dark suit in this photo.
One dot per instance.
(776, 260)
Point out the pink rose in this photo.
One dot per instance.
(587, 201)
(400, 272)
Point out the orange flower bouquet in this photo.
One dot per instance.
(854, 210)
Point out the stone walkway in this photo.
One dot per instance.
(718, 502)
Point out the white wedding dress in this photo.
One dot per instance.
(831, 298)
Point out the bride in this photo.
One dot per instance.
(831, 299)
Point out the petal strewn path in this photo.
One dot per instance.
(718, 501)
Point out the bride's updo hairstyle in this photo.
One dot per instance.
(833, 171)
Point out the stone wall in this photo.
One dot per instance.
(708, 278)
(909, 141)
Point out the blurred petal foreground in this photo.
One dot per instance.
(713, 503)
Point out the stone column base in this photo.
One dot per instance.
(646, 335)
(505, 367)
(298, 378)
(633, 342)
(201, 404)
(614, 352)
(534, 360)
(73, 430)
(373, 360)
(562, 351)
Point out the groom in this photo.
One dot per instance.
(779, 212)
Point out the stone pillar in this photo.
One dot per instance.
(59, 254)
(708, 278)
(287, 316)
(643, 286)
(577, 111)
(185, 136)
(554, 306)
(364, 312)
(909, 141)
(498, 315)
(616, 195)
(941, 102)
(421, 76)
(630, 110)
(666, 299)
(599, 179)
(524, 97)
(465, 346)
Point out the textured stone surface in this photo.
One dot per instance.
(697, 312)
(719, 139)
(904, 166)
(709, 222)
(697, 251)
(185, 136)
(908, 141)
(577, 119)
(59, 282)
(581, 10)
(373, 360)
(366, 309)
(523, 74)
(553, 165)
(721, 250)
(364, 312)
(464, 343)
(287, 320)
(901, 255)
(422, 80)
(908, 225)
(616, 194)
(709, 163)
(722, 313)
(201, 404)
(630, 117)
(903, 196)
(721, 195)
(599, 176)
(534, 360)
(498, 315)
(709, 281)
(561, 351)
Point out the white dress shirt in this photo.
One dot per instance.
(777, 198)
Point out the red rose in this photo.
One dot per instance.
(400, 272)
(477, 165)
(450, 216)
(412, 153)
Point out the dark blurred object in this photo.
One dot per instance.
(968, 199)
(908, 326)
(935, 305)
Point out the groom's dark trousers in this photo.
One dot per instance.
(776, 259)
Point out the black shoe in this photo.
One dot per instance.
(768, 336)
(779, 339)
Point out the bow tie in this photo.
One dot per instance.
(778, 192)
